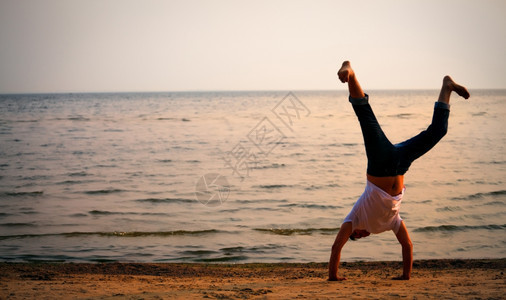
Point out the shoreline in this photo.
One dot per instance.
(443, 278)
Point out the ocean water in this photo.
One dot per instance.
(238, 176)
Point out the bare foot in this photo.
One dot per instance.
(345, 72)
(453, 86)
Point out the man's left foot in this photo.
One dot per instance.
(457, 88)
(345, 72)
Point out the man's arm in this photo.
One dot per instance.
(407, 252)
(335, 256)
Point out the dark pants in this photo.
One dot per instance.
(387, 159)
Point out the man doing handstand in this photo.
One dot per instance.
(377, 210)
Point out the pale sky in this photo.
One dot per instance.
(202, 45)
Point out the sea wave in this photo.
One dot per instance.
(105, 212)
(228, 254)
(21, 194)
(166, 200)
(271, 166)
(72, 118)
(18, 224)
(401, 116)
(116, 234)
(298, 231)
(481, 195)
(256, 201)
(222, 259)
(443, 228)
(311, 205)
(104, 191)
(273, 186)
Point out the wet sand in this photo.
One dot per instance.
(441, 279)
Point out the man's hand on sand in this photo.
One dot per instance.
(337, 279)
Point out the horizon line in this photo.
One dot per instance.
(230, 91)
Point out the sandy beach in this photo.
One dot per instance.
(441, 279)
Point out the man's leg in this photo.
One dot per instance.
(379, 150)
(424, 141)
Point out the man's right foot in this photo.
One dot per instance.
(345, 72)
(457, 88)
